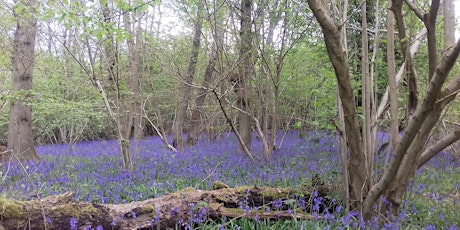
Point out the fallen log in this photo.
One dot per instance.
(176, 209)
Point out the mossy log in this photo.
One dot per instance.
(162, 212)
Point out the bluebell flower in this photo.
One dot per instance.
(315, 193)
(338, 208)
(256, 218)
(247, 210)
(277, 204)
(73, 223)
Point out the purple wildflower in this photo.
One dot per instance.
(247, 210)
(277, 204)
(256, 218)
(73, 223)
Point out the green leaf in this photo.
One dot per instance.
(19, 8)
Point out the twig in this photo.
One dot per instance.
(207, 177)
(162, 137)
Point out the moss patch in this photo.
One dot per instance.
(10, 209)
(219, 185)
(74, 210)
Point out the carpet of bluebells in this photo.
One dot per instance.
(91, 169)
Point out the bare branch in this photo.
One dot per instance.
(415, 123)
(433, 150)
(415, 9)
(235, 130)
(160, 134)
(413, 50)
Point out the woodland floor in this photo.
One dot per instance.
(88, 173)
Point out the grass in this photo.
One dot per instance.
(92, 170)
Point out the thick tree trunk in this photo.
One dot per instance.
(422, 118)
(359, 182)
(20, 139)
(243, 88)
(415, 135)
(218, 34)
(415, 152)
(178, 129)
(134, 46)
(169, 211)
(194, 129)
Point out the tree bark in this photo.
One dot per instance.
(169, 211)
(422, 117)
(359, 183)
(417, 148)
(416, 128)
(243, 88)
(123, 101)
(20, 138)
(433, 150)
(449, 23)
(410, 73)
(393, 86)
(384, 102)
(186, 87)
(368, 146)
(134, 78)
(193, 131)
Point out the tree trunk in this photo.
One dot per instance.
(449, 23)
(169, 211)
(393, 90)
(20, 138)
(414, 153)
(123, 101)
(341, 116)
(430, 24)
(181, 112)
(414, 139)
(409, 151)
(193, 131)
(243, 88)
(368, 146)
(359, 182)
(134, 46)
(410, 73)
